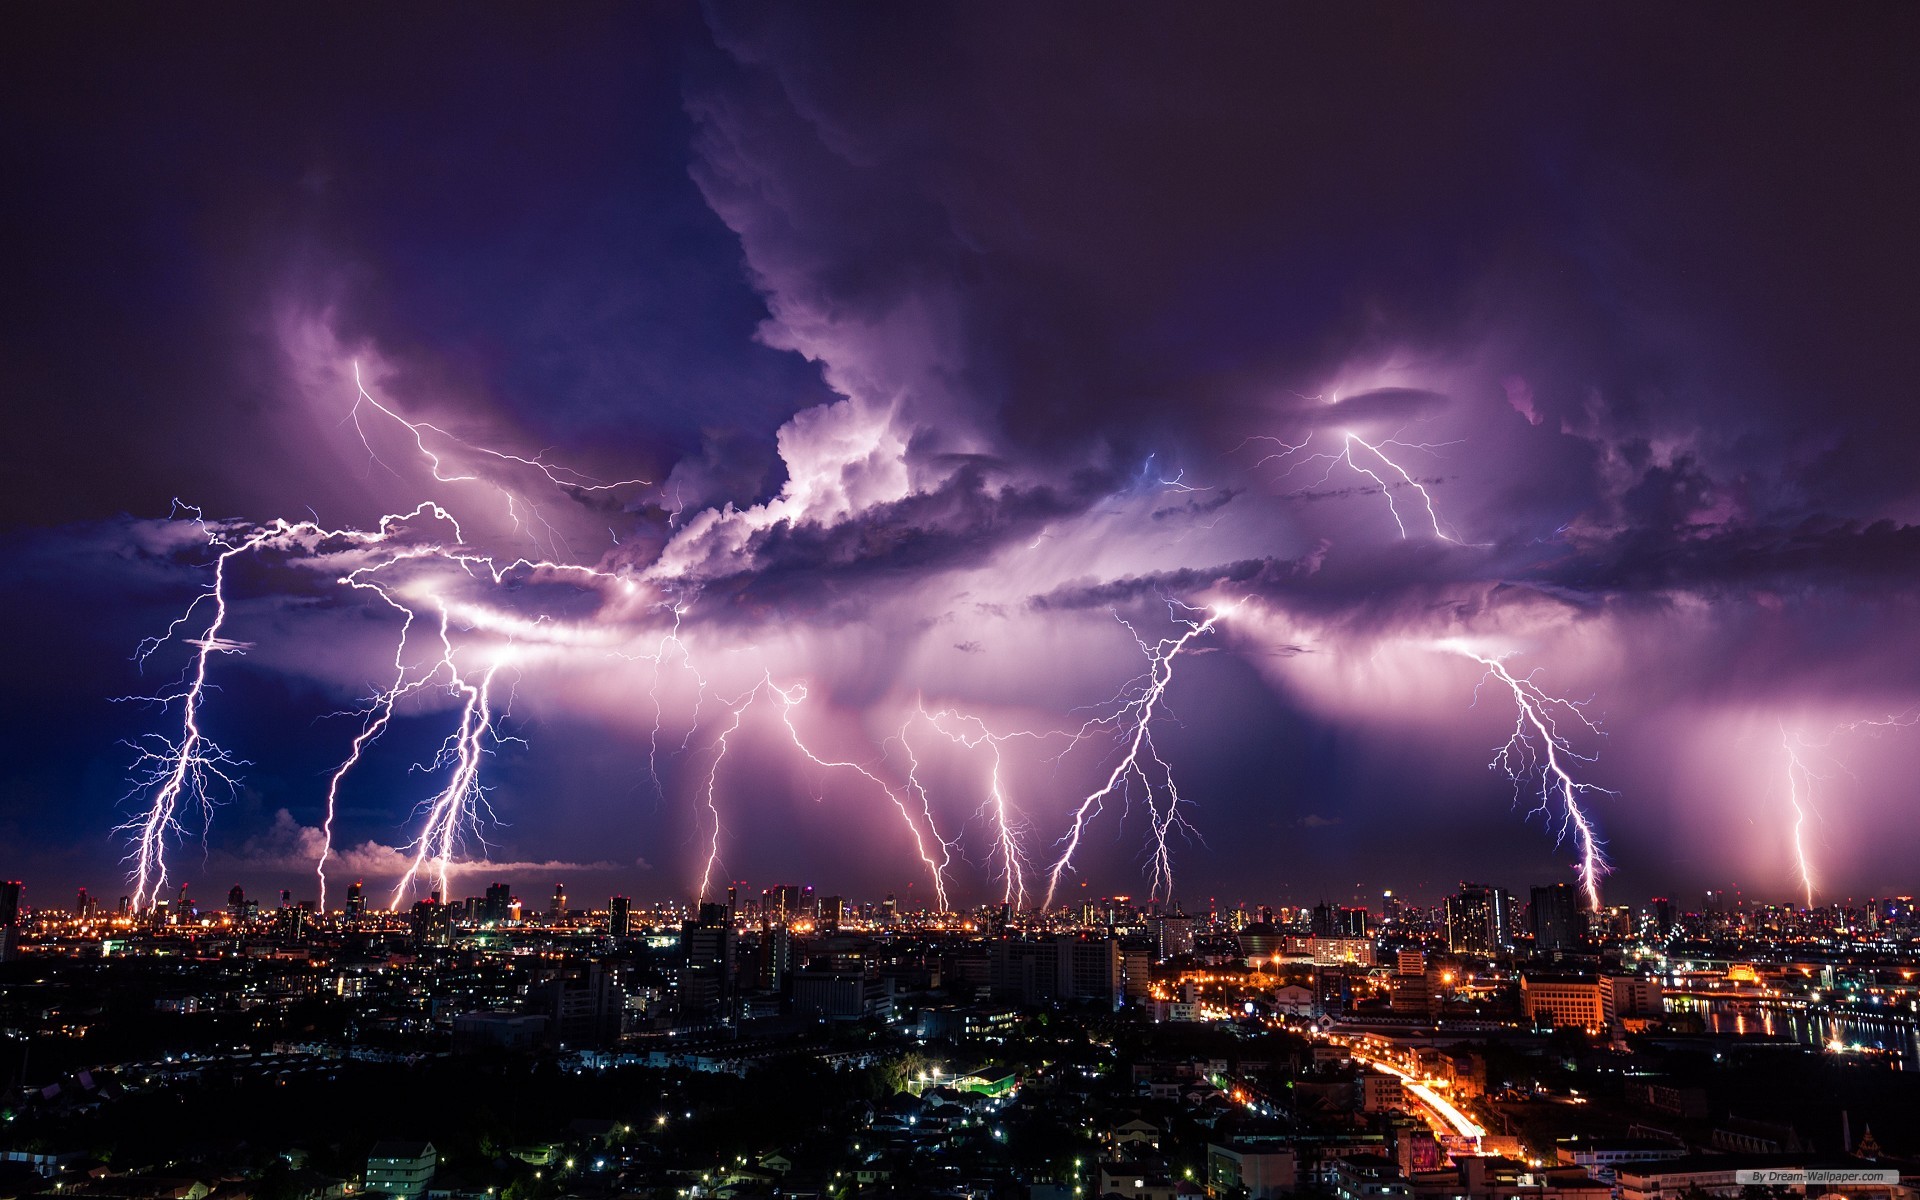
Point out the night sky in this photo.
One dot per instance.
(890, 380)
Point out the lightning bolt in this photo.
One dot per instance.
(419, 566)
(175, 772)
(792, 697)
(997, 807)
(788, 699)
(1539, 748)
(1797, 773)
(1140, 761)
(1800, 778)
(1374, 463)
(562, 477)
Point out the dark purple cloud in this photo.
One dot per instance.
(937, 333)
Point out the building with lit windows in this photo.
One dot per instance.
(401, 1168)
(1566, 1001)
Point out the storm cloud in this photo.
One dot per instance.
(909, 374)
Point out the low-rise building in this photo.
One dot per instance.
(1254, 1170)
(401, 1168)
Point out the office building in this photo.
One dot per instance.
(498, 905)
(706, 964)
(1562, 1001)
(781, 902)
(620, 916)
(1553, 912)
(1479, 920)
(1173, 936)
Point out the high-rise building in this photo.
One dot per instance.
(1478, 920)
(356, 900)
(1338, 921)
(619, 916)
(1554, 914)
(559, 908)
(781, 902)
(1321, 924)
(9, 919)
(833, 910)
(1173, 936)
(1057, 968)
(237, 902)
(706, 963)
(774, 959)
(499, 903)
(1663, 914)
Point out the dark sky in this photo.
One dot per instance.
(1445, 363)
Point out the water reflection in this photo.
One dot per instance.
(1889, 1035)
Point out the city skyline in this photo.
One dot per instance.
(1288, 459)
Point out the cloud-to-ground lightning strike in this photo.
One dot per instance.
(419, 565)
(788, 699)
(181, 770)
(175, 771)
(1800, 790)
(1537, 747)
(997, 808)
(1374, 453)
(1134, 718)
(1797, 774)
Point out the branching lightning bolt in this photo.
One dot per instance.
(788, 699)
(419, 565)
(1538, 748)
(1139, 761)
(972, 733)
(1374, 463)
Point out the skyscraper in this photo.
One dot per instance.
(9, 919)
(1554, 914)
(237, 903)
(356, 902)
(1478, 920)
(619, 916)
(559, 901)
(499, 903)
(781, 902)
(706, 965)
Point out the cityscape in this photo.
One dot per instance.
(782, 1042)
(636, 600)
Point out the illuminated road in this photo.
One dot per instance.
(1435, 1102)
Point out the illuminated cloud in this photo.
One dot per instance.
(953, 360)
